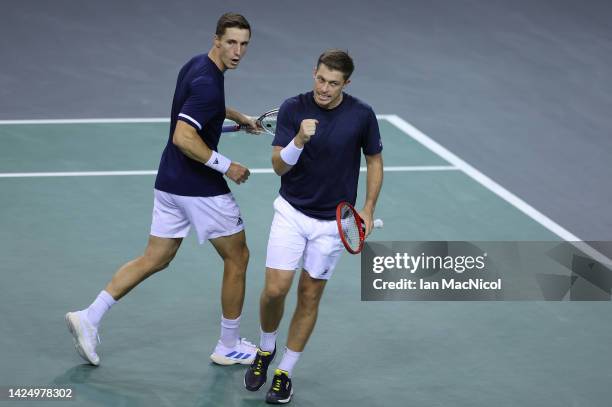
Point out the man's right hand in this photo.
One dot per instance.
(307, 130)
(238, 173)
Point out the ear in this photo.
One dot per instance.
(314, 72)
(217, 41)
(346, 83)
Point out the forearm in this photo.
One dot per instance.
(234, 115)
(280, 167)
(374, 181)
(284, 158)
(195, 149)
(190, 143)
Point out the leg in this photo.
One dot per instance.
(83, 325)
(286, 245)
(310, 291)
(271, 307)
(235, 254)
(168, 220)
(272, 300)
(285, 249)
(321, 255)
(157, 256)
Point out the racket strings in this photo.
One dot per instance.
(350, 228)
(268, 122)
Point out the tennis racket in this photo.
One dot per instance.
(351, 227)
(267, 121)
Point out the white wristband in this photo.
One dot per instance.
(218, 162)
(290, 154)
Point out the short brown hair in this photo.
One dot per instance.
(337, 60)
(231, 20)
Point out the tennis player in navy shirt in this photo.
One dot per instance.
(190, 191)
(320, 136)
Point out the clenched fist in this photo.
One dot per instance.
(307, 130)
(238, 173)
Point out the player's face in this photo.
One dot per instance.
(232, 46)
(328, 86)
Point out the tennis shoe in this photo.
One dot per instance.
(85, 336)
(281, 390)
(256, 374)
(243, 353)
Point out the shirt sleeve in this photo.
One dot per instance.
(371, 143)
(285, 126)
(200, 106)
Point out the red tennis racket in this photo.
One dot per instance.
(351, 227)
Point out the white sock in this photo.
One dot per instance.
(229, 331)
(98, 308)
(289, 360)
(267, 341)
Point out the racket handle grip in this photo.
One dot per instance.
(230, 128)
(378, 223)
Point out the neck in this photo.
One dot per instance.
(214, 56)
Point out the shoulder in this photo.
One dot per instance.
(199, 72)
(292, 103)
(193, 65)
(358, 106)
(289, 108)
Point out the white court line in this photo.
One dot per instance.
(410, 130)
(494, 187)
(154, 172)
(117, 120)
(90, 121)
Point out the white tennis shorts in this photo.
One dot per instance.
(295, 237)
(211, 216)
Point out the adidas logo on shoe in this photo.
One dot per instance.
(243, 353)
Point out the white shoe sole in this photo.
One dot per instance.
(72, 327)
(283, 401)
(225, 361)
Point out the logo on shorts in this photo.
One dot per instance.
(216, 161)
(239, 221)
(324, 272)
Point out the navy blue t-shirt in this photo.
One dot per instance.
(327, 171)
(199, 100)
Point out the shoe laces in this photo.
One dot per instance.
(258, 368)
(244, 341)
(278, 381)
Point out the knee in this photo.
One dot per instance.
(308, 298)
(274, 292)
(244, 255)
(239, 258)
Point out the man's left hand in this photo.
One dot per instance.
(368, 219)
(251, 123)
